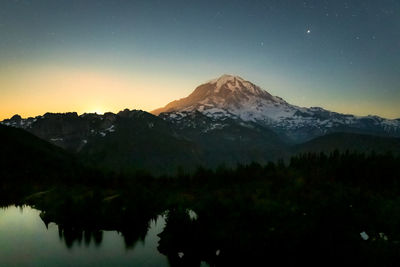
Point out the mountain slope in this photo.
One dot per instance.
(141, 141)
(25, 156)
(229, 93)
(226, 140)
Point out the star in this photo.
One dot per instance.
(308, 31)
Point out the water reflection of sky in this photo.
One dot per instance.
(24, 240)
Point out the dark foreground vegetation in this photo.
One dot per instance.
(311, 210)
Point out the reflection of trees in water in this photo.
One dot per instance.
(136, 231)
(71, 235)
(186, 240)
(74, 227)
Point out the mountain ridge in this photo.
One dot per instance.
(133, 140)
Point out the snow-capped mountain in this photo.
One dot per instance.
(233, 97)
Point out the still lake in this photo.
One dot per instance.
(25, 241)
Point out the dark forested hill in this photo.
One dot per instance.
(26, 156)
(350, 142)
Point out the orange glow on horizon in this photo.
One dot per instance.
(31, 91)
(82, 91)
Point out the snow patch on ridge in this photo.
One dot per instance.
(225, 79)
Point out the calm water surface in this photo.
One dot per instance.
(25, 240)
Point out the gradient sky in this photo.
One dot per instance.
(86, 56)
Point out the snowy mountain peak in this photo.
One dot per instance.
(229, 93)
(227, 79)
(235, 83)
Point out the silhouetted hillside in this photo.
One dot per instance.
(351, 142)
(26, 157)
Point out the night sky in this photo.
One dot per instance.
(88, 56)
